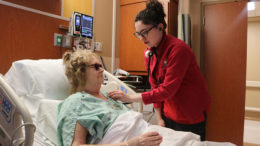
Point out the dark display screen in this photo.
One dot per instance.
(86, 26)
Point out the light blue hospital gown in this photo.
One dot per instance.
(94, 114)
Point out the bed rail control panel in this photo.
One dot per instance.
(122, 88)
(7, 109)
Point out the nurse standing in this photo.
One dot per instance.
(178, 90)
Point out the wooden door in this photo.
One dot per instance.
(131, 48)
(224, 53)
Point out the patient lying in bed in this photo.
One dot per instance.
(88, 116)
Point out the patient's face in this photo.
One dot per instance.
(94, 72)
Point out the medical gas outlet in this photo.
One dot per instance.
(64, 40)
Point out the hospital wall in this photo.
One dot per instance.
(103, 19)
(82, 6)
(253, 68)
(50, 6)
(28, 35)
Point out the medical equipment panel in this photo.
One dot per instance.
(75, 23)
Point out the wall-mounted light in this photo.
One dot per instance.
(251, 6)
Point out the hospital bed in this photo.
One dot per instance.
(29, 95)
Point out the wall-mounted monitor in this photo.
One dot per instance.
(81, 25)
(86, 26)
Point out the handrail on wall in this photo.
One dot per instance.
(253, 84)
(252, 109)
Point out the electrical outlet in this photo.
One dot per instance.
(66, 42)
(98, 46)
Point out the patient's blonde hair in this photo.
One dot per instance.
(75, 67)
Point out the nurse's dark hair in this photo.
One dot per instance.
(152, 14)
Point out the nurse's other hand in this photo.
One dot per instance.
(161, 122)
(119, 95)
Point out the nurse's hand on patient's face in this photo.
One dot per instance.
(119, 95)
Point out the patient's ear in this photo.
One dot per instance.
(66, 57)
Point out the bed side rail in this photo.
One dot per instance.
(12, 113)
(113, 83)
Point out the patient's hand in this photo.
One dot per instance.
(146, 139)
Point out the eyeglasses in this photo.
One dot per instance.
(96, 66)
(143, 33)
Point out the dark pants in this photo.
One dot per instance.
(198, 128)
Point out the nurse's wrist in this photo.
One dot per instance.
(136, 98)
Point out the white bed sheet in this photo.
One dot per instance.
(40, 140)
(131, 124)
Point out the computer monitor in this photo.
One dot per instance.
(86, 26)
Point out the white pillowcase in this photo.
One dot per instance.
(45, 78)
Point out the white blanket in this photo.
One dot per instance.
(131, 124)
(126, 126)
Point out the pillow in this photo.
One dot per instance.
(43, 78)
(42, 85)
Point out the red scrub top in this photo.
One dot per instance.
(177, 83)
